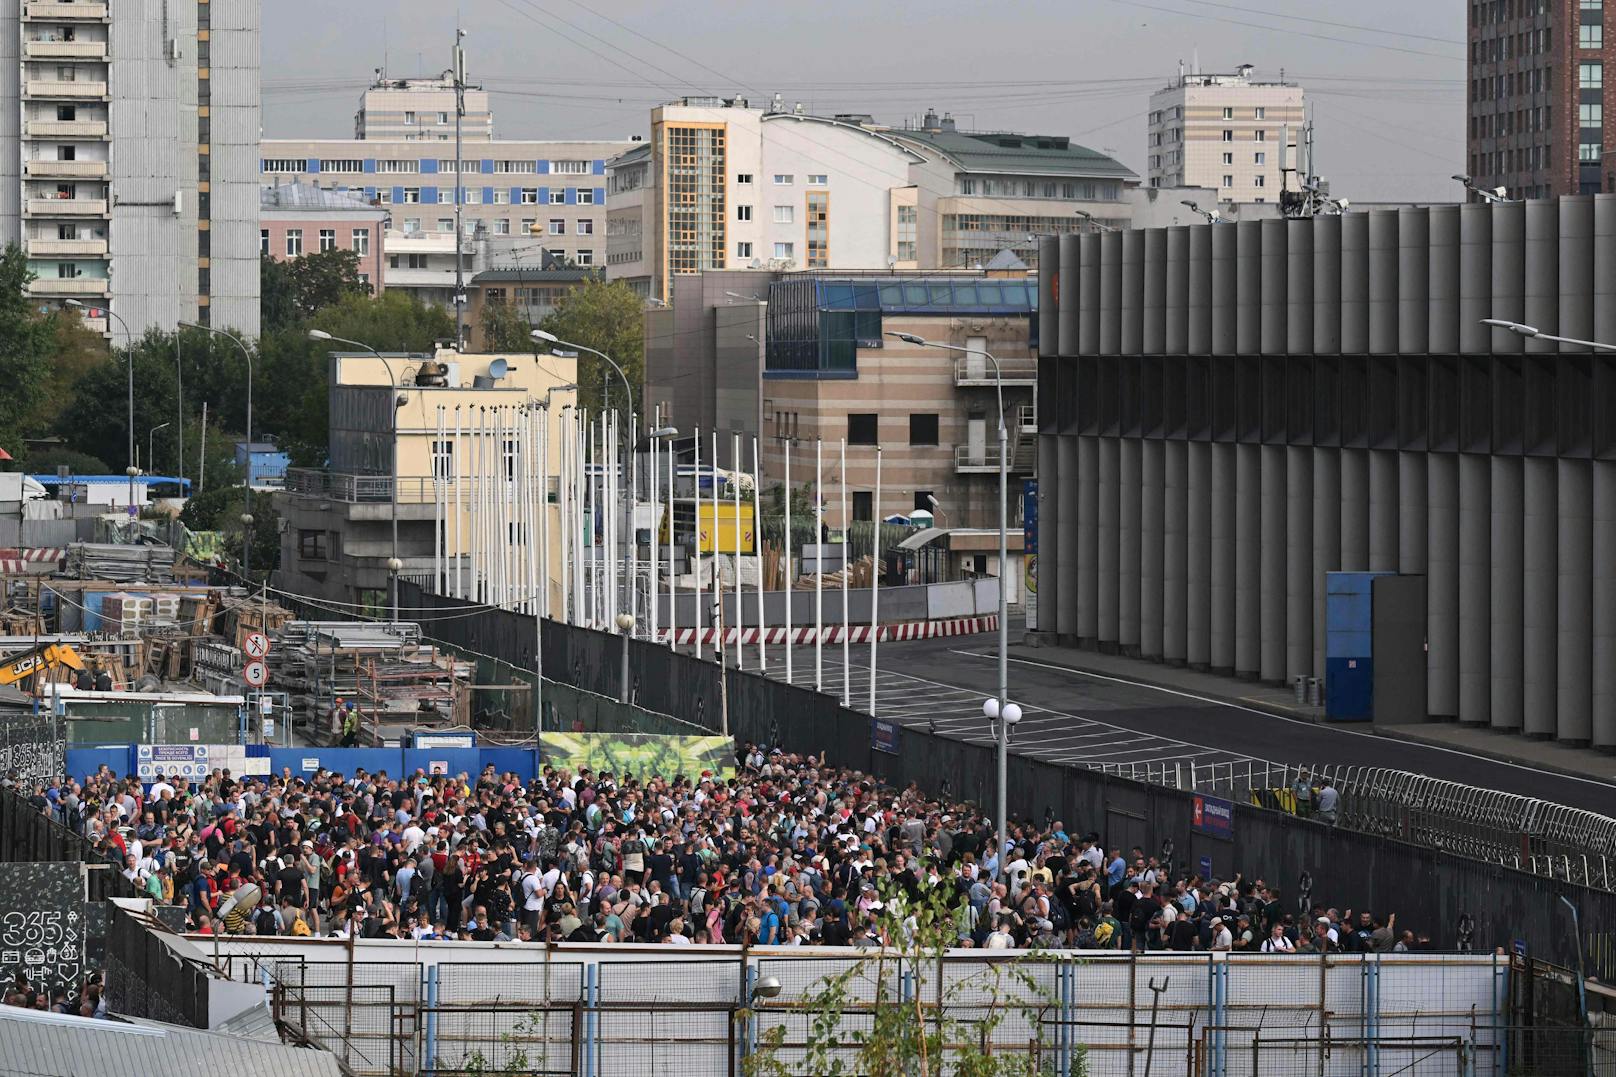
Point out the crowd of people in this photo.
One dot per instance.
(787, 851)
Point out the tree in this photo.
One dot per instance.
(25, 347)
(859, 1022)
(291, 291)
(44, 463)
(504, 329)
(608, 317)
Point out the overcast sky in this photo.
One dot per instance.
(1385, 78)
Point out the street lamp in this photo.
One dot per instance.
(625, 625)
(1094, 223)
(151, 451)
(1212, 216)
(1003, 700)
(1493, 195)
(129, 358)
(392, 485)
(246, 548)
(1532, 332)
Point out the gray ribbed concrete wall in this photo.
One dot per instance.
(11, 121)
(1469, 460)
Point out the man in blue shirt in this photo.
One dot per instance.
(1115, 870)
(769, 925)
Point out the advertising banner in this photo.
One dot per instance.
(639, 755)
(1212, 817)
(885, 736)
(1029, 551)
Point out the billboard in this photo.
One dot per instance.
(1029, 551)
(1212, 817)
(639, 755)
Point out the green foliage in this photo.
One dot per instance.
(46, 463)
(609, 318)
(294, 290)
(25, 347)
(859, 1022)
(210, 509)
(219, 508)
(503, 328)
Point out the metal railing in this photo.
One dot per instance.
(1551, 840)
(971, 370)
(969, 457)
(355, 488)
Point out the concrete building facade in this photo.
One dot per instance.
(532, 290)
(1223, 131)
(1228, 413)
(1537, 124)
(724, 185)
(128, 136)
(421, 110)
(296, 219)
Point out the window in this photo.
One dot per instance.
(263, 241)
(446, 224)
(361, 241)
(67, 113)
(1257, 181)
(908, 218)
(415, 261)
(785, 250)
(784, 179)
(1228, 158)
(1591, 115)
(443, 117)
(328, 239)
(409, 117)
(284, 164)
(1259, 158)
(923, 428)
(66, 73)
(343, 164)
(398, 166)
(743, 177)
(471, 196)
(384, 196)
(743, 213)
(558, 227)
(1590, 151)
(527, 226)
(1261, 113)
(584, 257)
(818, 221)
(818, 179)
(743, 250)
(586, 196)
(412, 224)
(412, 195)
(502, 196)
(923, 500)
(530, 196)
(1228, 181)
(1261, 135)
(1228, 135)
(862, 429)
(442, 459)
(310, 545)
(967, 185)
(863, 506)
(515, 166)
(1228, 113)
(294, 242)
(1591, 76)
(1591, 35)
(570, 168)
(586, 228)
(502, 226)
(785, 214)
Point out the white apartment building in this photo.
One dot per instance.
(1223, 132)
(725, 185)
(128, 153)
(421, 110)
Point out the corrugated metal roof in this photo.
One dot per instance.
(1029, 154)
(33, 1043)
(304, 196)
(539, 276)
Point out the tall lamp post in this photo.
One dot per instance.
(394, 565)
(246, 536)
(151, 447)
(999, 709)
(129, 358)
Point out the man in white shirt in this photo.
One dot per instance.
(1001, 938)
(533, 891)
(1222, 939)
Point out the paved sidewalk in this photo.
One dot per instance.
(1482, 741)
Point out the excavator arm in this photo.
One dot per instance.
(19, 667)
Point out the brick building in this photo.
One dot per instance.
(295, 219)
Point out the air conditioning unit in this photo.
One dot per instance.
(179, 203)
(173, 49)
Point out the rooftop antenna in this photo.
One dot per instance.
(1197, 58)
(384, 49)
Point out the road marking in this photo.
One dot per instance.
(1600, 783)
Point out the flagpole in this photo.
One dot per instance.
(673, 578)
(718, 568)
(695, 505)
(875, 578)
(847, 537)
(757, 552)
(819, 564)
(740, 592)
(788, 563)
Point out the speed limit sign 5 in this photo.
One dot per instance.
(255, 674)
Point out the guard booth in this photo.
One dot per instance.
(1374, 661)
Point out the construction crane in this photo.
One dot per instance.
(46, 656)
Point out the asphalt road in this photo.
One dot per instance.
(1074, 717)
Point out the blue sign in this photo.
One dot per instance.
(1212, 817)
(1206, 867)
(884, 736)
(1029, 516)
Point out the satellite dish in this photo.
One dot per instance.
(498, 369)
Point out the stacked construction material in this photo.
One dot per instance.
(120, 564)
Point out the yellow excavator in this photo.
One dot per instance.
(47, 656)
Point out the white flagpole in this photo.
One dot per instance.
(695, 505)
(530, 515)
(580, 425)
(718, 568)
(740, 593)
(477, 507)
(612, 524)
(847, 537)
(458, 465)
(563, 509)
(439, 450)
(875, 578)
(502, 487)
(819, 564)
(654, 495)
(757, 554)
(673, 590)
(544, 510)
(788, 562)
(633, 603)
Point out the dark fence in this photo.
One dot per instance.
(147, 978)
(28, 836)
(1457, 903)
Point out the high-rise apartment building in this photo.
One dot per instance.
(1537, 96)
(725, 185)
(421, 110)
(1223, 132)
(128, 156)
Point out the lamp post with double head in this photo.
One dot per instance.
(1001, 707)
(394, 564)
(246, 537)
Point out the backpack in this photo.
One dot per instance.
(265, 921)
(1105, 933)
(1058, 916)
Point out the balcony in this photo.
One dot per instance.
(404, 277)
(358, 489)
(49, 11)
(67, 248)
(43, 169)
(41, 89)
(67, 207)
(65, 50)
(69, 286)
(67, 129)
(983, 461)
(976, 370)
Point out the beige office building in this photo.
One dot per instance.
(1223, 131)
(421, 110)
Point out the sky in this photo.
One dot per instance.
(1385, 79)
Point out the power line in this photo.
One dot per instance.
(1326, 22)
(1336, 38)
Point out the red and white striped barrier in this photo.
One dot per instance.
(776, 636)
(31, 560)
